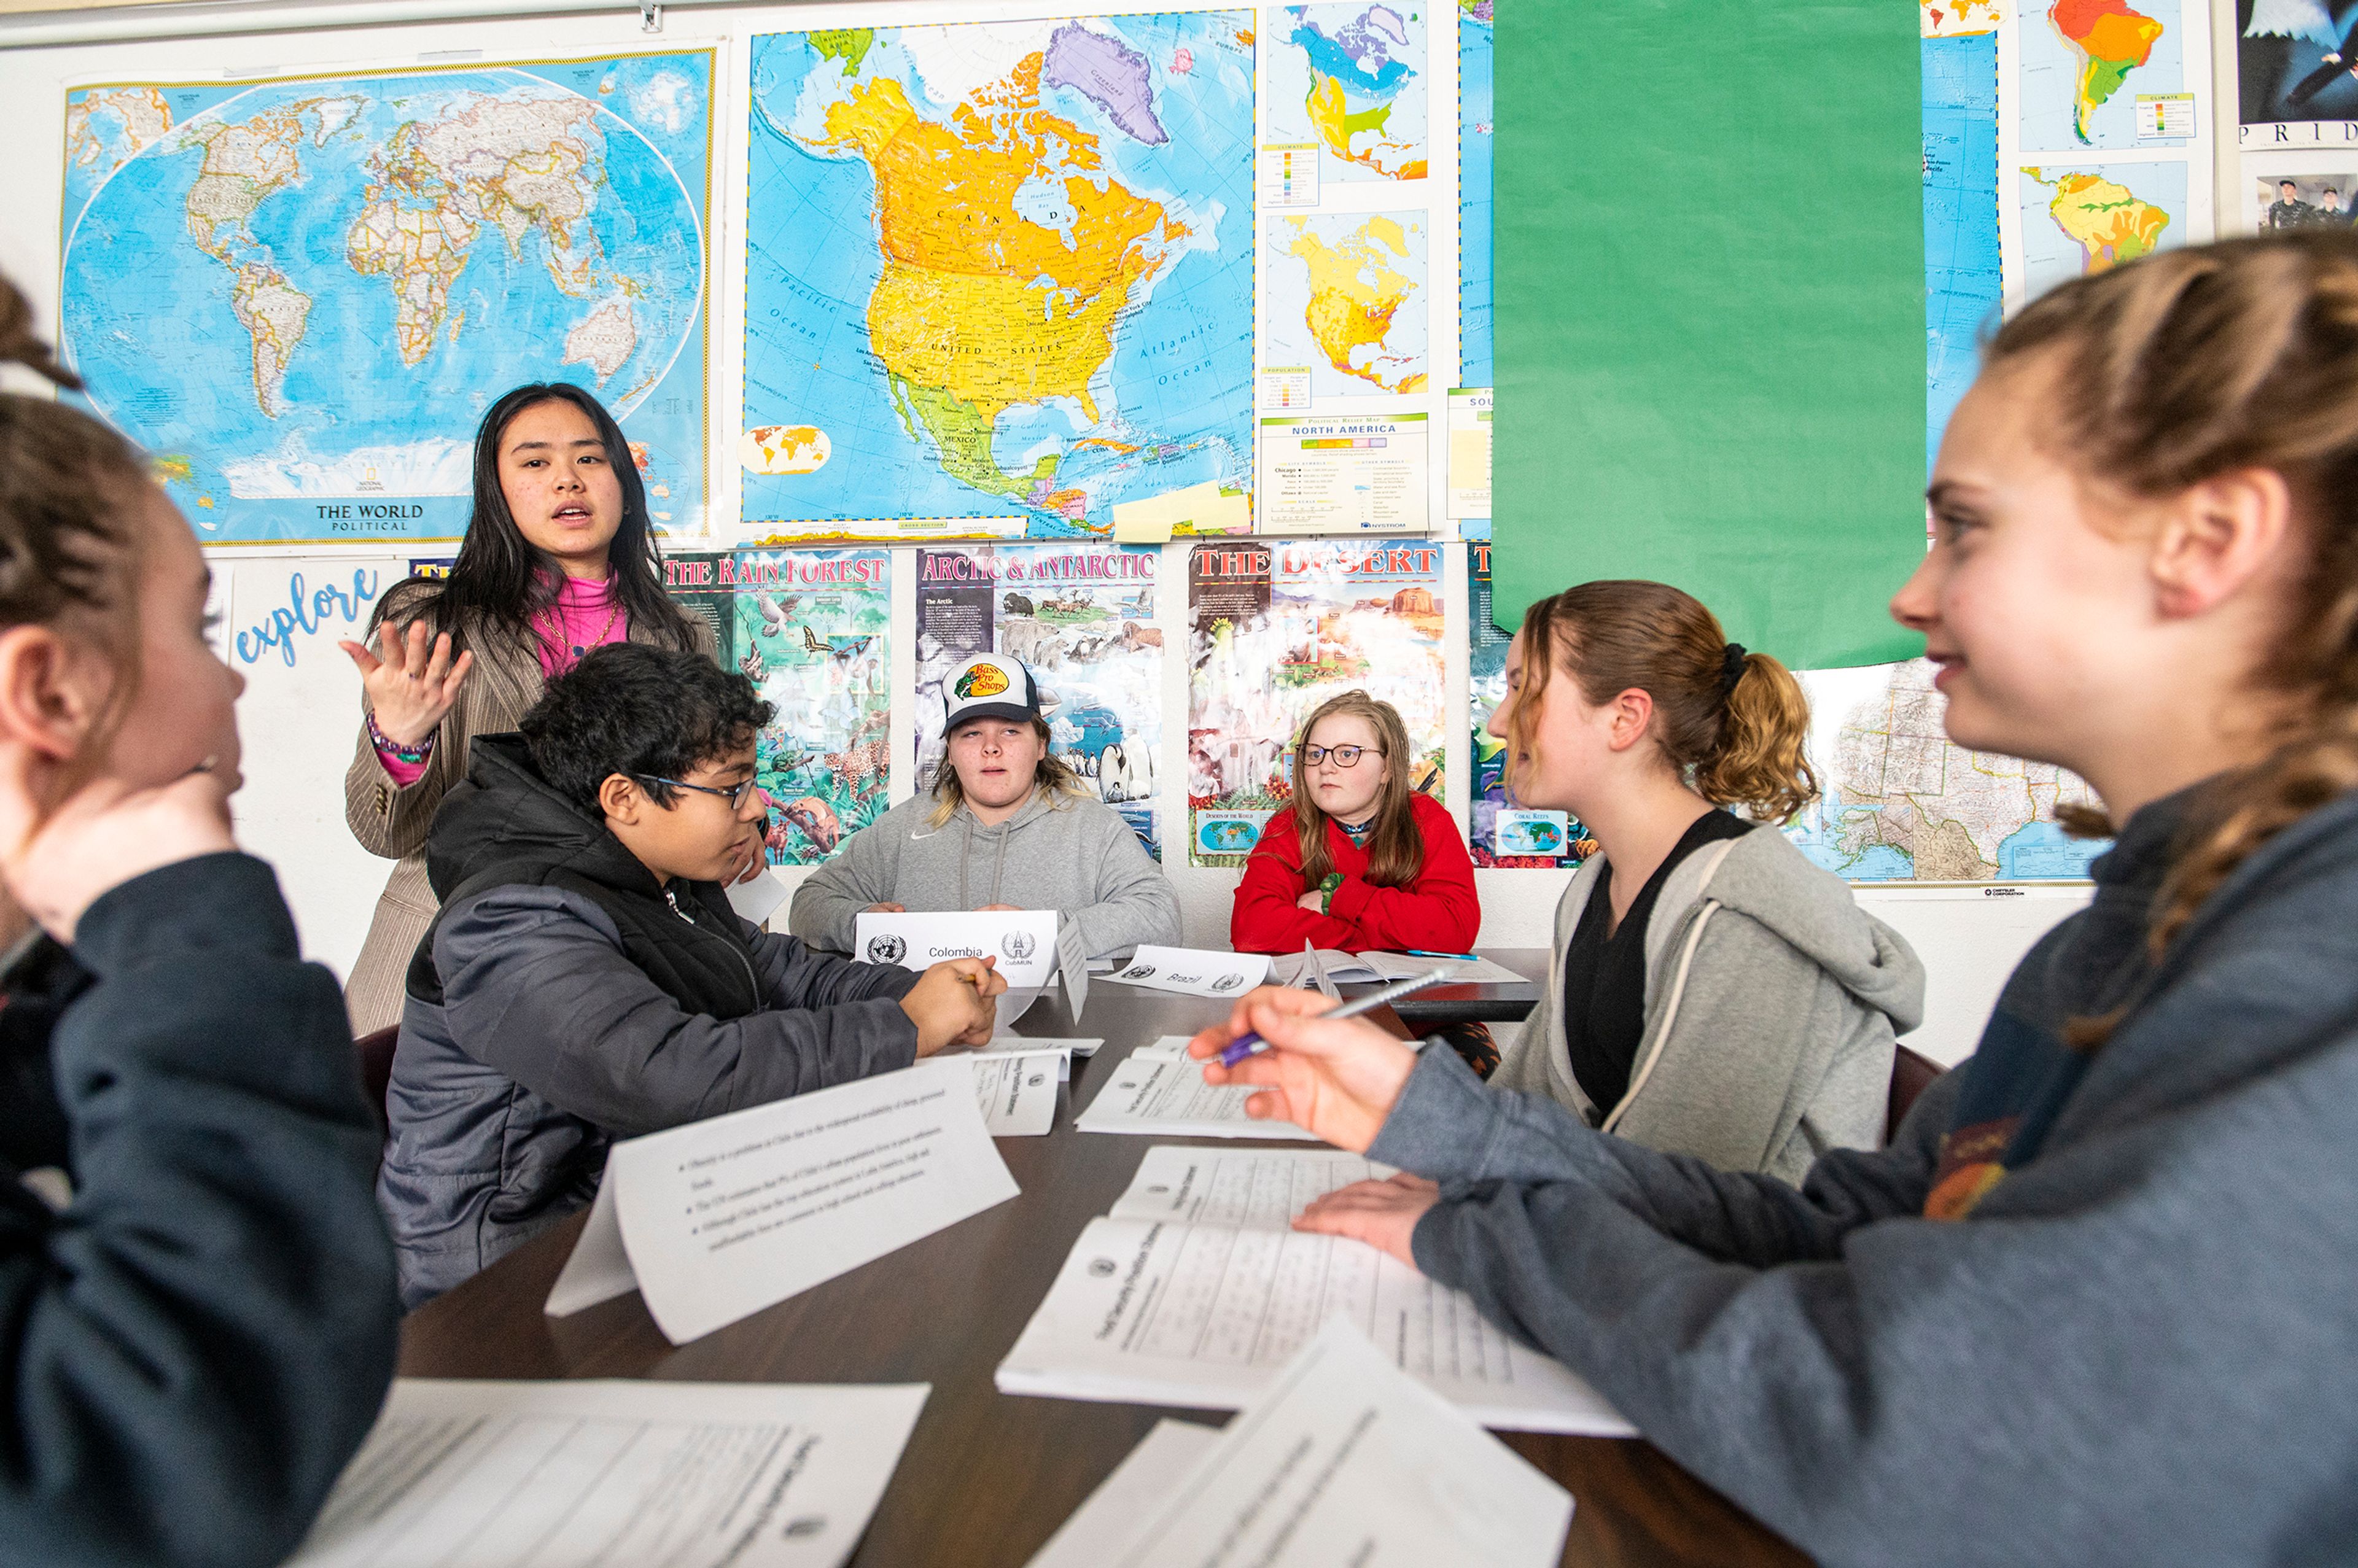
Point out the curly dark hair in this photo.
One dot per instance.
(641, 711)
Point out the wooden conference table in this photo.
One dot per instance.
(987, 1478)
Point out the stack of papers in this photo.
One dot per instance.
(1160, 1089)
(1017, 1089)
(1195, 1289)
(1359, 968)
(1343, 1460)
(552, 1474)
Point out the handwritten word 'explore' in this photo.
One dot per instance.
(305, 613)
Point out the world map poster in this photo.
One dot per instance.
(998, 275)
(300, 295)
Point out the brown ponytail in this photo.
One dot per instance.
(1732, 723)
(2194, 363)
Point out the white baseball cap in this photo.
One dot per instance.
(989, 685)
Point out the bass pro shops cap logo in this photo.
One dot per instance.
(983, 680)
(886, 949)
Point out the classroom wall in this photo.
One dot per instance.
(301, 709)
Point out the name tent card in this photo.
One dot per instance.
(1022, 940)
(714, 1221)
(1193, 971)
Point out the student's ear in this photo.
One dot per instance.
(622, 800)
(46, 701)
(2217, 537)
(1627, 718)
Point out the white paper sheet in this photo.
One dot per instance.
(1074, 968)
(1160, 1090)
(1363, 969)
(1013, 1004)
(1193, 971)
(1347, 1460)
(1195, 1289)
(498, 1474)
(1023, 940)
(1105, 1524)
(1017, 1092)
(1018, 1044)
(723, 1217)
(756, 900)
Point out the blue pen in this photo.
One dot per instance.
(1420, 953)
(1251, 1045)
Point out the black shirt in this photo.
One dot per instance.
(1605, 977)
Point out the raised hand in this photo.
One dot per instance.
(1338, 1077)
(102, 836)
(952, 1004)
(413, 685)
(1381, 1214)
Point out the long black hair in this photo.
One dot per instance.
(500, 580)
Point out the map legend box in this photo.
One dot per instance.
(1286, 389)
(1289, 176)
(2165, 115)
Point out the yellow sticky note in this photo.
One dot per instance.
(1151, 521)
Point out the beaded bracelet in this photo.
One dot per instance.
(1327, 887)
(388, 746)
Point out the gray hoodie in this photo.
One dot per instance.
(2135, 1343)
(1059, 851)
(1771, 1003)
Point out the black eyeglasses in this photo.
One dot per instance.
(1345, 756)
(734, 794)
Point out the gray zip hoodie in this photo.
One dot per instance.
(1060, 852)
(1771, 1003)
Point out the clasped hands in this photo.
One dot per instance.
(1339, 1078)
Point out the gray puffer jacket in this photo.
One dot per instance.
(565, 998)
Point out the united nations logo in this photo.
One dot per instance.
(1227, 982)
(1136, 972)
(1018, 945)
(1101, 1267)
(887, 948)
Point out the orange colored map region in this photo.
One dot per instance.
(2110, 224)
(946, 194)
(987, 342)
(2107, 29)
(1339, 324)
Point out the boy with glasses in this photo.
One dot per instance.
(586, 979)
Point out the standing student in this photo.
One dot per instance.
(1711, 991)
(1362, 862)
(559, 557)
(1006, 826)
(197, 1317)
(2093, 1305)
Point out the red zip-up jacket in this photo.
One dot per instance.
(1437, 912)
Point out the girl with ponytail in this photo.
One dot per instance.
(2094, 1304)
(1713, 993)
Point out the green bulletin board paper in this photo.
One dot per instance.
(1711, 310)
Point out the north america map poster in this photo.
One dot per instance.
(998, 275)
(298, 295)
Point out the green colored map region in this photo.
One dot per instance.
(2102, 218)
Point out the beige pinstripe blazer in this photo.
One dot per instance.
(393, 821)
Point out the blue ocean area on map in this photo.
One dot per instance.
(331, 277)
(1126, 375)
(1962, 280)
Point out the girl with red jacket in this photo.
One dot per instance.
(1361, 862)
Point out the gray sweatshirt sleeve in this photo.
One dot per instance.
(536, 986)
(865, 872)
(1134, 900)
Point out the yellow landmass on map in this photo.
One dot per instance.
(1959, 18)
(142, 110)
(423, 250)
(274, 313)
(1355, 292)
(1336, 123)
(978, 307)
(2110, 224)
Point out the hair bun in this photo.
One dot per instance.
(19, 344)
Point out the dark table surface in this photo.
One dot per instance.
(987, 1478)
(1488, 1002)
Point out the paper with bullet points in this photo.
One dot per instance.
(720, 1218)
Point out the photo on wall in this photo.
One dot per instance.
(1081, 617)
(808, 627)
(2305, 199)
(2297, 73)
(1276, 628)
